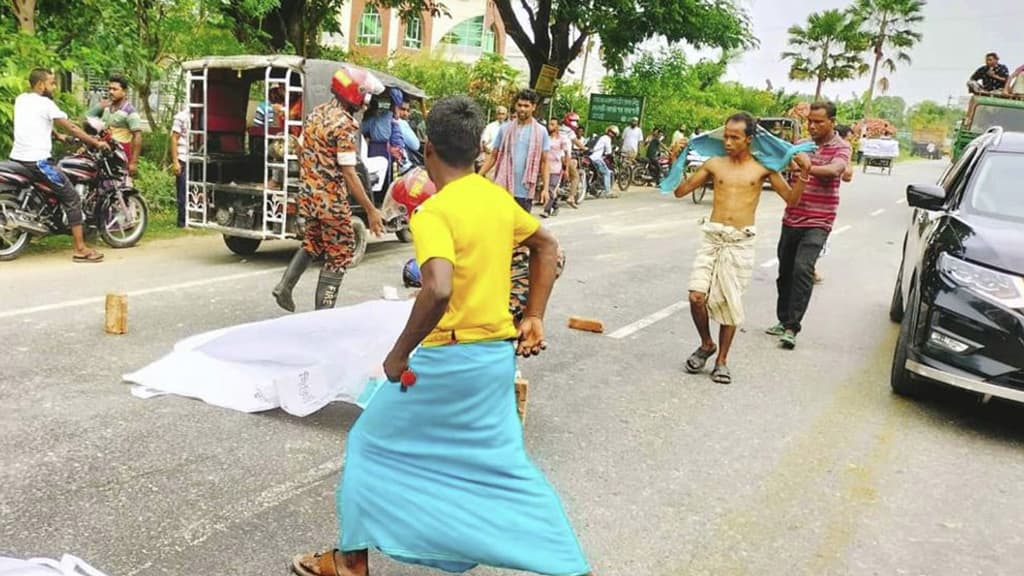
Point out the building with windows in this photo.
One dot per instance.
(473, 28)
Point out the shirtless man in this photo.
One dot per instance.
(725, 260)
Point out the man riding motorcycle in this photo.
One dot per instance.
(35, 114)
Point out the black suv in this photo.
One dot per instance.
(959, 295)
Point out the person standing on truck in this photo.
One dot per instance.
(328, 176)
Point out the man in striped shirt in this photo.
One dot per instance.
(806, 226)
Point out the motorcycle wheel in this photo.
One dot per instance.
(581, 192)
(121, 225)
(623, 177)
(404, 235)
(12, 240)
(640, 175)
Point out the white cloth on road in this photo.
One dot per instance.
(722, 270)
(68, 565)
(299, 362)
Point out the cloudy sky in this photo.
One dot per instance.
(957, 34)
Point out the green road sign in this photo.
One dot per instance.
(610, 108)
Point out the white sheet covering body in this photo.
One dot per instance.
(300, 362)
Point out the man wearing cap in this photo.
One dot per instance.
(328, 172)
(632, 136)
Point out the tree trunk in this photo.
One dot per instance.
(879, 52)
(25, 12)
(871, 87)
(817, 90)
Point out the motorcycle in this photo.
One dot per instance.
(642, 175)
(591, 180)
(110, 205)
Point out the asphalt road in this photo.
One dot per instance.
(806, 464)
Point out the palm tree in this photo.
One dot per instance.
(830, 48)
(890, 25)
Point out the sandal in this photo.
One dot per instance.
(696, 362)
(90, 257)
(721, 375)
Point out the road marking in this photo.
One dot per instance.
(877, 212)
(842, 230)
(770, 263)
(901, 200)
(143, 292)
(224, 522)
(642, 323)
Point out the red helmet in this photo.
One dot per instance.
(572, 120)
(412, 190)
(353, 86)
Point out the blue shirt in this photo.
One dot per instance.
(519, 155)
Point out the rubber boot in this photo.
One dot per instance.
(283, 291)
(327, 288)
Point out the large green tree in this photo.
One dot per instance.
(678, 91)
(828, 49)
(554, 32)
(892, 27)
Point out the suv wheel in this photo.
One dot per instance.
(896, 305)
(904, 382)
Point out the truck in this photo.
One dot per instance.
(984, 112)
(242, 176)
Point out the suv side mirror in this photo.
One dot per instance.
(926, 196)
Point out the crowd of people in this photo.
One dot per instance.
(471, 315)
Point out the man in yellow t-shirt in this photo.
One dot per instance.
(436, 473)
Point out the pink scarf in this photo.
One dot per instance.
(504, 175)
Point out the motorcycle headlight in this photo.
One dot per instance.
(1003, 288)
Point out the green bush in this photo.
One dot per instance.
(157, 186)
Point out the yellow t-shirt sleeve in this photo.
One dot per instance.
(524, 225)
(432, 237)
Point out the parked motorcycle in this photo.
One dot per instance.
(110, 205)
(642, 175)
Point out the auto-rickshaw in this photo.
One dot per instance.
(243, 173)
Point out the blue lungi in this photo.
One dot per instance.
(439, 475)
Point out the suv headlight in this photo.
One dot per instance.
(1003, 288)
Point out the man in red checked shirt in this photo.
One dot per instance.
(806, 226)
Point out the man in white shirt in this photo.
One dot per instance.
(603, 148)
(35, 113)
(179, 155)
(631, 139)
(490, 132)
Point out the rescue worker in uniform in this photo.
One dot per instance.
(330, 148)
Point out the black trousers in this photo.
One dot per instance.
(798, 252)
(181, 195)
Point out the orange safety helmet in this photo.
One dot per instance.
(353, 86)
(572, 120)
(412, 190)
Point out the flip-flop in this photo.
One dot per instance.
(91, 257)
(721, 375)
(324, 564)
(696, 362)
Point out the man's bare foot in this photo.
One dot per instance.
(332, 563)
